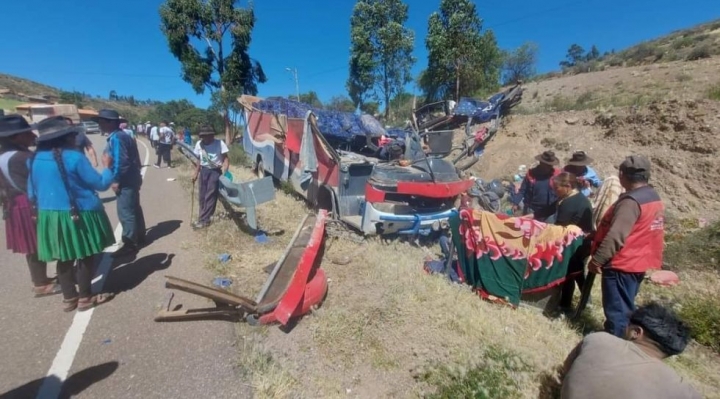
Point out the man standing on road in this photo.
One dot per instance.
(127, 181)
(629, 241)
(166, 139)
(84, 145)
(154, 137)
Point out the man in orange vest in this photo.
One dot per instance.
(629, 241)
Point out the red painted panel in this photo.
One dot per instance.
(373, 195)
(290, 302)
(434, 190)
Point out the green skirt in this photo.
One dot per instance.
(61, 238)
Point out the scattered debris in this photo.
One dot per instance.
(222, 282)
(572, 121)
(224, 258)
(665, 278)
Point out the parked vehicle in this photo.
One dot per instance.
(41, 112)
(90, 127)
(335, 161)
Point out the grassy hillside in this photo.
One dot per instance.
(31, 88)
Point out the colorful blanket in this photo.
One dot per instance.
(607, 195)
(503, 257)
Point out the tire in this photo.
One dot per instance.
(260, 169)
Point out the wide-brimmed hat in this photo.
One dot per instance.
(13, 124)
(579, 158)
(54, 127)
(548, 157)
(108, 114)
(206, 131)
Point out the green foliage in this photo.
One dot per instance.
(699, 53)
(702, 314)
(461, 59)
(401, 107)
(713, 92)
(381, 51)
(340, 103)
(520, 63)
(211, 39)
(238, 157)
(370, 107)
(574, 55)
(310, 98)
(494, 377)
(184, 113)
(73, 97)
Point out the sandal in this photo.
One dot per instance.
(89, 303)
(46, 290)
(70, 304)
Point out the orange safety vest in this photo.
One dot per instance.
(643, 249)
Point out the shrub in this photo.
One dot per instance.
(699, 53)
(697, 250)
(713, 92)
(238, 156)
(702, 314)
(681, 42)
(495, 377)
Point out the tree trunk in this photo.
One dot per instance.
(457, 83)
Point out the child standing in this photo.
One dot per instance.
(213, 164)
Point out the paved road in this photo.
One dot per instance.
(117, 350)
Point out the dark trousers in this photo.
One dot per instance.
(163, 153)
(67, 275)
(131, 216)
(618, 297)
(575, 274)
(38, 270)
(208, 193)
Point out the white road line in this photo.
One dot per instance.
(60, 367)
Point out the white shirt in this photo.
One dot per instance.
(166, 135)
(213, 154)
(154, 133)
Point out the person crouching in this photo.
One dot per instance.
(213, 163)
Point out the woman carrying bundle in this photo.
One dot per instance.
(71, 220)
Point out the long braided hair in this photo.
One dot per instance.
(56, 146)
(57, 154)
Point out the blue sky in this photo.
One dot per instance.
(99, 45)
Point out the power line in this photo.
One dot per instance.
(524, 17)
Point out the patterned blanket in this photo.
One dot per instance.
(503, 257)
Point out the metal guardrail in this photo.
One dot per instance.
(246, 195)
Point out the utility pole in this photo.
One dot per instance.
(294, 72)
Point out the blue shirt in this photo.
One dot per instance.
(126, 159)
(46, 185)
(187, 138)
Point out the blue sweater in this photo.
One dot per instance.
(46, 185)
(126, 159)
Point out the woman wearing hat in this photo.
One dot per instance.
(536, 191)
(213, 164)
(579, 165)
(72, 223)
(16, 137)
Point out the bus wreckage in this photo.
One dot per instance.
(378, 182)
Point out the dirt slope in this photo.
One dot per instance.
(677, 130)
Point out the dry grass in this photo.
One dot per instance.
(387, 329)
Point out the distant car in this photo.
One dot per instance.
(90, 127)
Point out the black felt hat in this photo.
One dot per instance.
(54, 127)
(109, 114)
(548, 157)
(13, 124)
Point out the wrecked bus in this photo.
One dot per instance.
(334, 160)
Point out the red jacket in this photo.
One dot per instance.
(643, 249)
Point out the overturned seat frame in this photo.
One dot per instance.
(295, 285)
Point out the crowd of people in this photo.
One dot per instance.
(50, 200)
(621, 244)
